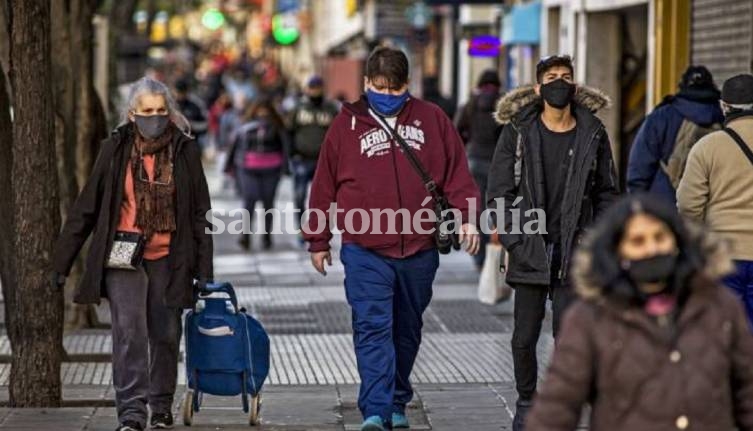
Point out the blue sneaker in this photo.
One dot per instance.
(373, 423)
(399, 420)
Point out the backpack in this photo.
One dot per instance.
(687, 136)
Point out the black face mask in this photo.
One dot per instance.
(654, 269)
(558, 94)
(317, 100)
(151, 126)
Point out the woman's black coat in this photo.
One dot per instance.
(97, 210)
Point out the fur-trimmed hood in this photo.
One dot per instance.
(514, 102)
(716, 255)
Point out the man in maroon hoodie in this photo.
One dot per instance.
(390, 262)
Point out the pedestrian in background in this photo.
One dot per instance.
(388, 275)
(480, 131)
(654, 343)
(309, 122)
(257, 158)
(194, 109)
(147, 184)
(660, 150)
(555, 155)
(717, 188)
(432, 94)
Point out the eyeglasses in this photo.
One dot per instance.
(142, 169)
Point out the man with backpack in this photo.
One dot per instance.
(309, 122)
(387, 159)
(717, 188)
(480, 132)
(660, 150)
(553, 155)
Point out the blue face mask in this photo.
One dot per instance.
(387, 105)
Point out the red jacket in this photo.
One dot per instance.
(358, 169)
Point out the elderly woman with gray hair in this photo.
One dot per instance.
(146, 203)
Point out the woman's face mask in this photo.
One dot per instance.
(648, 250)
(151, 115)
(151, 126)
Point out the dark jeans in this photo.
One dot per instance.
(303, 174)
(145, 340)
(528, 315)
(387, 297)
(259, 185)
(480, 171)
(741, 282)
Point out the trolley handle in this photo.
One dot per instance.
(209, 288)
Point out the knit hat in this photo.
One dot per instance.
(697, 77)
(697, 83)
(489, 77)
(738, 90)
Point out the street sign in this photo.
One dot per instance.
(484, 46)
(419, 15)
(285, 28)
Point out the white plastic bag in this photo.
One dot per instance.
(492, 287)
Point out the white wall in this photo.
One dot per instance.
(337, 28)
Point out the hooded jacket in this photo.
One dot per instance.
(97, 209)
(591, 185)
(359, 169)
(656, 140)
(640, 374)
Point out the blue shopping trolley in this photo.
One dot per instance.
(227, 352)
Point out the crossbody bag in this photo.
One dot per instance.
(445, 239)
(127, 251)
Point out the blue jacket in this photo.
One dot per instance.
(656, 140)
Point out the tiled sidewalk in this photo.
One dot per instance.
(470, 407)
(463, 374)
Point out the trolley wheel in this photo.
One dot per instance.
(255, 409)
(188, 408)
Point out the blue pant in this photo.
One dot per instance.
(741, 282)
(303, 174)
(387, 297)
(259, 185)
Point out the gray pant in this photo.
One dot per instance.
(145, 340)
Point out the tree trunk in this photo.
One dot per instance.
(90, 127)
(7, 257)
(121, 24)
(64, 68)
(37, 332)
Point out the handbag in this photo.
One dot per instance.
(492, 286)
(127, 251)
(444, 238)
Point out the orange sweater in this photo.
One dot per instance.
(159, 245)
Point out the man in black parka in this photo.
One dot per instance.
(553, 155)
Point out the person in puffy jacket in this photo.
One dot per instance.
(654, 342)
(553, 158)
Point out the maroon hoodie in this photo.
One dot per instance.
(358, 167)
